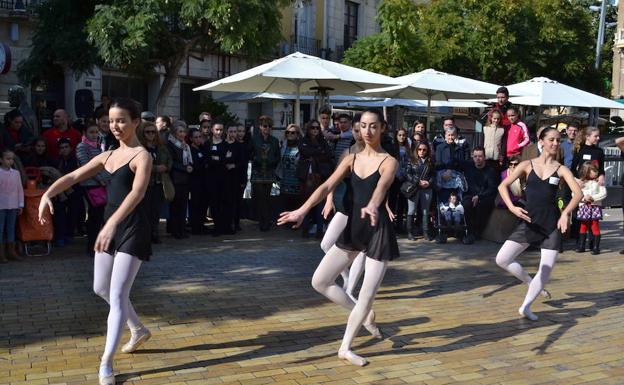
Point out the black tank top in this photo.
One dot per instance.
(541, 198)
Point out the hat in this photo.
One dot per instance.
(148, 115)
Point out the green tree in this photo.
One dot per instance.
(59, 41)
(395, 50)
(138, 35)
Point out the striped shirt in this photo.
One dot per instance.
(342, 144)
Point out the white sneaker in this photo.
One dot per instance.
(137, 340)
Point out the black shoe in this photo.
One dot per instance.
(596, 248)
(580, 243)
(441, 238)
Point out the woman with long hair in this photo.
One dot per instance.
(396, 200)
(369, 230)
(542, 222)
(419, 172)
(124, 240)
(586, 150)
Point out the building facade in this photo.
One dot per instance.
(324, 28)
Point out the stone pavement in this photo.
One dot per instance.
(241, 311)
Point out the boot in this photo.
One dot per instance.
(3, 258)
(580, 243)
(596, 248)
(409, 226)
(11, 252)
(590, 240)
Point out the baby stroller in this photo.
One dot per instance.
(449, 213)
(29, 230)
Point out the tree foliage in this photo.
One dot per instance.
(138, 35)
(501, 41)
(59, 40)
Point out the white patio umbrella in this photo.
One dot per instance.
(389, 102)
(297, 73)
(434, 85)
(542, 91)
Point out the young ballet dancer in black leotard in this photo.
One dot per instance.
(542, 223)
(124, 240)
(369, 230)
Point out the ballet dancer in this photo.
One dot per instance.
(542, 223)
(368, 230)
(124, 240)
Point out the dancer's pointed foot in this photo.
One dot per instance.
(527, 313)
(106, 375)
(137, 339)
(353, 358)
(371, 326)
(546, 294)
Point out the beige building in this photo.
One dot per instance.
(324, 28)
(617, 87)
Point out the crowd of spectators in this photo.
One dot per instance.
(200, 174)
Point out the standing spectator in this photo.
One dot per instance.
(11, 205)
(341, 141)
(104, 105)
(502, 105)
(161, 166)
(493, 134)
(93, 187)
(396, 200)
(325, 120)
(533, 150)
(215, 177)
(517, 135)
(15, 135)
(589, 212)
(586, 149)
(60, 129)
(265, 158)
(181, 169)
(106, 140)
(478, 201)
(205, 127)
(567, 144)
(234, 161)
(66, 211)
(290, 185)
(243, 139)
(204, 116)
(163, 125)
(315, 166)
(198, 205)
(38, 156)
(419, 171)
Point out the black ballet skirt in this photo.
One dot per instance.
(377, 242)
(133, 235)
(541, 204)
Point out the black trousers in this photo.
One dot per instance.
(154, 198)
(177, 210)
(198, 207)
(261, 194)
(477, 216)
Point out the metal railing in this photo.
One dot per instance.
(18, 4)
(305, 45)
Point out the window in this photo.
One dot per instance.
(126, 87)
(224, 63)
(350, 23)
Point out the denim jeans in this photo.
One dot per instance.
(8, 217)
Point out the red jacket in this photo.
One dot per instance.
(517, 138)
(53, 135)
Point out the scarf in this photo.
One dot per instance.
(92, 143)
(187, 158)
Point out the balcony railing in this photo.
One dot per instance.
(18, 4)
(302, 44)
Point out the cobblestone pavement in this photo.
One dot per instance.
(241, 311)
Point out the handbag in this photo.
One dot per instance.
(168, 188)
(312, 181)
(97, 196)
(408, 189)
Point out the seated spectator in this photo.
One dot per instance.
(448, 154)
(517, 136)
(478, 201)
(452, 210)
(515, 190)
(11, 205)
(61, 129)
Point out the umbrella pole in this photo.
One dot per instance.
(297, 103)
(428, 113)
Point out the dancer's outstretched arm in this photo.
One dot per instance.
(318, 195)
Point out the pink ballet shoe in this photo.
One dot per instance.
(372, 327)
(352, 358)
(136, 341)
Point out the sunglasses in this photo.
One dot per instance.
(291, 132)
(513, 164)
(315, 127)
(149, 132)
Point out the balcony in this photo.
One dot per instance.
(301, 44)
(17, 8)
(619, 38)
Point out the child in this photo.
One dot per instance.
(11, 204)
(453, 210)
(590, 208)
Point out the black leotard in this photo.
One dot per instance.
(541, 204)
(133, 235)
(377, 242)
